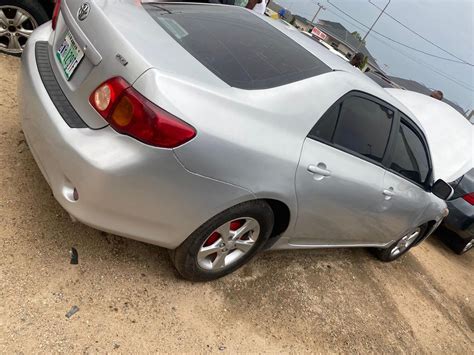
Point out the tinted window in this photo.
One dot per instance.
(326, 124)
(364, 127)
(237, 46)
(409, 157)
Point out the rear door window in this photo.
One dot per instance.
(364, 127)
(324, 129)
(410, 157)
(237, 46)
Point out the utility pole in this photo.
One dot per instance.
(370, 29)
(317, 12)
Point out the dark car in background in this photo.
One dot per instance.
(18, 19)
(461, 215)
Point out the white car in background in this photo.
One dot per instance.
(327, 46)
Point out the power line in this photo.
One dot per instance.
(422, 37)
(425, 64)
(417, 61)
(393, 40)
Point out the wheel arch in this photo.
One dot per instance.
(282, 216)
(430, 228)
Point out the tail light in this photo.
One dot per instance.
(469, 198)
(130, 113)
(57, 8)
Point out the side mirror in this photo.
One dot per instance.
(442, 190)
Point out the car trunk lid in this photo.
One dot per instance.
(107, 54)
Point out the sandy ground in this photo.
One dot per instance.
(130, 298)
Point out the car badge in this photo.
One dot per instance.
(83, 11)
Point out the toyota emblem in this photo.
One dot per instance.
(83, 11)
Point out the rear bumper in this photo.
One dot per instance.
(124, 186)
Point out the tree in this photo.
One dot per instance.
(358, 36)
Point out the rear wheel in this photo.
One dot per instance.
(468, 246)
(401, 246)
(225, 242)
(455, 242)
(461, 246)
(18, 19)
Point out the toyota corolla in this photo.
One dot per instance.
(216, 133)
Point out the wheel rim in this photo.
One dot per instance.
(16, 26)
(468, 246)
(404, 243)
(228, 243)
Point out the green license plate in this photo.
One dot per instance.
(69, 55)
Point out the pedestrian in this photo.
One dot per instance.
(258, 6)
(437, 94)
(357, 60)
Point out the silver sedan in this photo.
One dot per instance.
(217, 133)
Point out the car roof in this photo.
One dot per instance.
(170, 58)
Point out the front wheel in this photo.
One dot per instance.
(401, 246)
(225, 242)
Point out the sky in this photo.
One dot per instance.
(447, 23)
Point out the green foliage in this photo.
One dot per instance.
(358, 36)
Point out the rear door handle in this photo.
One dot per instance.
(320, 169)
(389, 193)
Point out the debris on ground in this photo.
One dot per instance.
(74, 256)
(72, 311)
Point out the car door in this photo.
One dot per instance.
(340, 174)
(408, 170)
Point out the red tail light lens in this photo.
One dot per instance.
(57, 8)
(130, 113)
(469, 198)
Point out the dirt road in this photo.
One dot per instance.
(130, 298)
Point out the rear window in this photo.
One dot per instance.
(240, 48)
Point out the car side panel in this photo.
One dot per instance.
(341, 208)
(404, 209)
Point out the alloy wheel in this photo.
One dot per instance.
(228, 243)
(16, 26)
(404, 243)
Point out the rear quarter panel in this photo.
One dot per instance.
(252, 139)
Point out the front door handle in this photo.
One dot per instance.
(389, 193)
(320, 169)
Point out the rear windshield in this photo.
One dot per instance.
(240, 48)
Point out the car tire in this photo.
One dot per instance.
(401, 246)
(466, 246)
(225, 242)
(36, 14)
(461, 246)
(455, 242)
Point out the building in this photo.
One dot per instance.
(274, 8)
(301, 23)
(344, 41)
